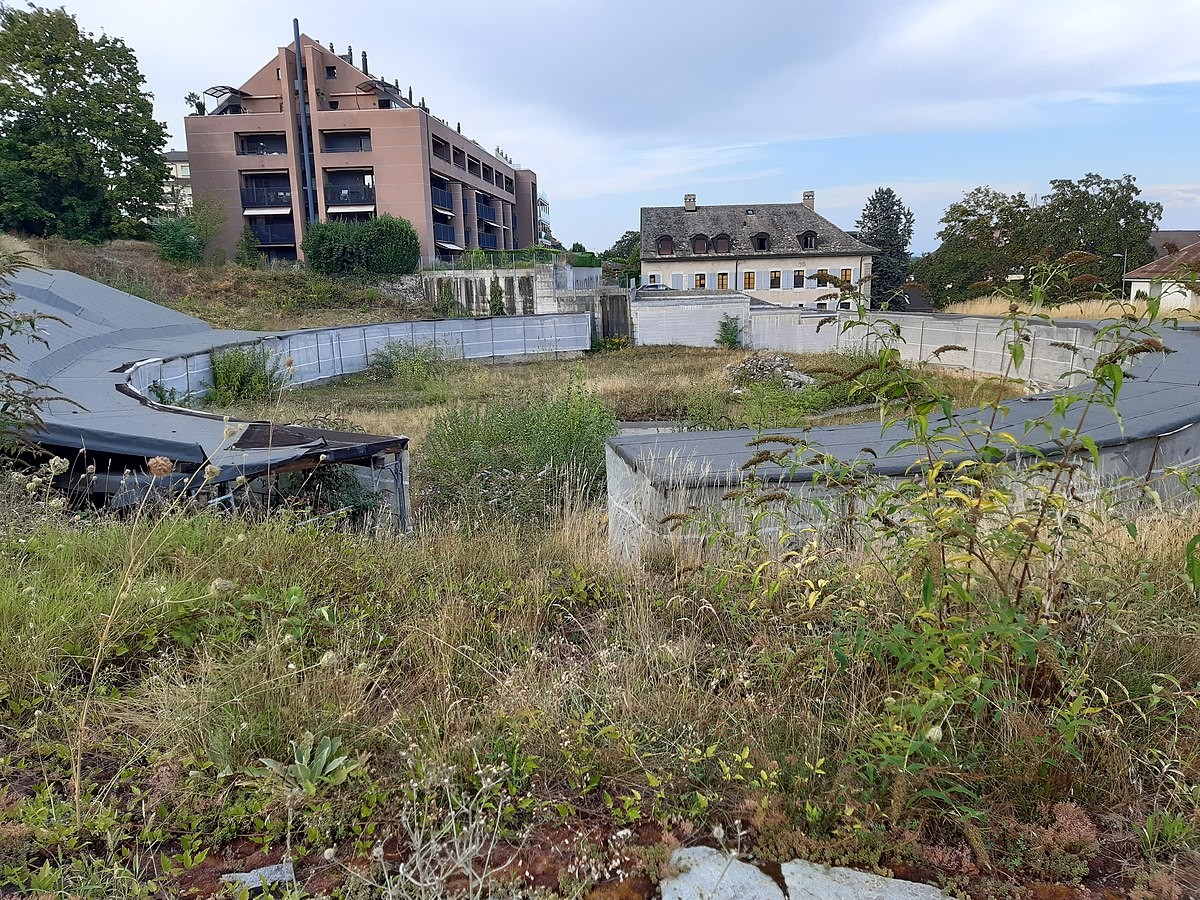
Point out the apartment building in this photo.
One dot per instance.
(371, 151)
(777, 252)
(177, 190)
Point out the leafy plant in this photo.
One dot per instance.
(411, 367)
(177, 241)
(383, 247)
(247, 252)
(1165, 833)
(315, 764)
(244, 375)
(729, 332)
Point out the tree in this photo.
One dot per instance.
(627, 243)
(208, 219)
(380, 248)
(80, 151)
(985, 238)
(887, 223)
(578, 248)
(1101, 216)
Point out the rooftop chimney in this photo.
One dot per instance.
(810, 200)
(364, 65)
(689, 202)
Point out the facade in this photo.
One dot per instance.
(177, 191)
(372, 151)
(776, 252)
(1174, 278)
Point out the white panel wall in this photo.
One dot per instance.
(687, 322)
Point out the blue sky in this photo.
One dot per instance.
(619, 104)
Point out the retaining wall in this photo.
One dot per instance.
(323, 354)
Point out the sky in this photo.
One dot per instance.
(618, 105)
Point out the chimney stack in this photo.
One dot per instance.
(810, 200)
(366, 71)
(689, 202)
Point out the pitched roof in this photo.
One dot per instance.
(1159, 240)
(784, 222)
(176, 156)
(1187, 258)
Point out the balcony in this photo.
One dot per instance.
(488, 241)
(261, 145)
(349, 194)
(284, 233)
(345, 141)
(487, 213)
(443, 232)
(442, 198)
(266, 196)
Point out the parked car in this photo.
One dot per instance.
(652, 288)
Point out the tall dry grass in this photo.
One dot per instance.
(1086, 311)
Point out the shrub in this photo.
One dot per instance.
(247, 253)
(177, 242)
(384, 247)
(19, 397)
(244, 375)
(729, 332)
(496, 299)
(514, 456)
(411, 367)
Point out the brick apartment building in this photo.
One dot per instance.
(372, 151)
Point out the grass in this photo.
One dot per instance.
(1086, 311)
(228, 296)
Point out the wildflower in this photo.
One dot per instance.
(16, 477)
(57, 503)
(91, 470)
(230, 431)
(33, 484)
(289, 362)
(240, 480)
(58, 465)
(211, 472)
(934, 734)
(329, 658)
(329, 854)
(160, 467)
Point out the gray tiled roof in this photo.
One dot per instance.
(784, 222)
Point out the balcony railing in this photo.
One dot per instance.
(443, 232)
(486, 212)
(342, 195)
(264, 147)
(488, 241)
(266, 196)
(442, 198)
(275, 234)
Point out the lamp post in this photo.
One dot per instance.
(1124, 256)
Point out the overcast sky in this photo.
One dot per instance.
(621, 104)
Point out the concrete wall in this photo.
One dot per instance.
(687, 322)
(324, 354)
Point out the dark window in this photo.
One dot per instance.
(278, 74)
(776, 279)
(721, 243)
(331, 71)
(847, 276)
(701, 281)
(699, 244)
(822, 281)
(808, 240)
(666, 246)
(762, 242)
(385, 103)
(333, 104)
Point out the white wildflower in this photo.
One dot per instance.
(211, 472)
(934, 734)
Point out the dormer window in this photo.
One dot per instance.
(666, 246)
(699, 244)
(808, 240)
(721, 243)
(761, 242)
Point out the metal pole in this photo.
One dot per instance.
(310, 204)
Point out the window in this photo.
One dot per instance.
(385, 103)
(665, 246)
(699, 244)
(762, 242)
(722, 281)
(747, 281)
(653, 279)
(808, 240)
(798, 278)
(333, 104)
(701, 281)
(278, 74)
(847, 276)
(822, 281)
(721, 243)
(185, 171)
(776, 279)
(331, 71)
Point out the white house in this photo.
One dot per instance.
(1175, 278)
(776, 252)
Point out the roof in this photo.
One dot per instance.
(1159, 240)
(1187, 258)
(91, 335)
(176, 156)
(784, 222)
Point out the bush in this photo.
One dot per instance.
(515, 456)
(384, 247)
(247, 253)
(244, 375)
(411, 367)
(729, 332)
(177, 242)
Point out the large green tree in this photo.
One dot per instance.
(80, 151)
(1101, 216)
(887, 223)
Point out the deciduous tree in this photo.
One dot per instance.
(887, 223)
(80, 151)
